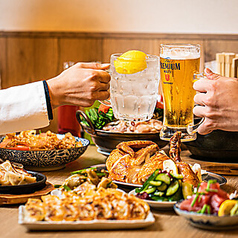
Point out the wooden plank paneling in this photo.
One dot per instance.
(75, 50)
(218, 46)
(45, 58)
(20, 68)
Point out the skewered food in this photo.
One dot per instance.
(135, 161)
(13, 174)
(29, 140)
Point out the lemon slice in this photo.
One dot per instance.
(131, 62)
(226, 207)
(187, 190)
(170, 166)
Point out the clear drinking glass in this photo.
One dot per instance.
(178, 63)
(133, 96)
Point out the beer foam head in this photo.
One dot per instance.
(177, 52)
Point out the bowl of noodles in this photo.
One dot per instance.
(44, 151)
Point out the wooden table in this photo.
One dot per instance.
(167, 224)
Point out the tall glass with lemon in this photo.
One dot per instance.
(134, 85)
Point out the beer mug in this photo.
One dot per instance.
(133, 87)
(178, 63)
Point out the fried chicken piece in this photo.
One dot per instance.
(175, 146)
(188, 174)
(152, 163)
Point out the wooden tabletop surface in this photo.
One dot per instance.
(167, 224)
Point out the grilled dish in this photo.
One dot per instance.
(92, 203)
(135, 161)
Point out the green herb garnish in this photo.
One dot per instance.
(82, 170)
(67, 188)
(194, 200)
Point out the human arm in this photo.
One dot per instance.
(24, 107)
(218, 103)
(80, 85)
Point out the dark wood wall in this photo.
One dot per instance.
(31, 56)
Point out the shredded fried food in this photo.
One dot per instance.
(11, 174)
(29, 140)
(103, 204)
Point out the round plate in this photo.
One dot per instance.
(205, 177)
(25, 188)
(155, 204)
(209, 222)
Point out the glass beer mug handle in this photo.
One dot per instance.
(106, 102)
(192, 129)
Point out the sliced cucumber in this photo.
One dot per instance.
(159, 193)
(173, 188)
(162, 187)
(177, 176)
(155, 183)
(147, 182)
(150, 190)
(159, 199)
(177, 196)
(164, 178)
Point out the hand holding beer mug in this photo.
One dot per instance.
(134, 85)
(178, 63)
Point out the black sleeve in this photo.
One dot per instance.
(48, 103)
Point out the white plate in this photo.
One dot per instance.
(205, 177)
(84, 225)
(208, 222)
(158, 205)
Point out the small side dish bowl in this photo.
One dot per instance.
(107, 141)
(44, 160)
(209, 222)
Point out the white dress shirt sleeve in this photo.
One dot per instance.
(23, 108)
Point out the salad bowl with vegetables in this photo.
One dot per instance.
(93, 120)
(209, 207)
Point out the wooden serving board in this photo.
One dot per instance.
(215, 167)
(22, 198)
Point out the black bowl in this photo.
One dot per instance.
(25, 188)
(218, 146)
(107, 141)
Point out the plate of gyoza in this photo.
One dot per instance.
(87, 199)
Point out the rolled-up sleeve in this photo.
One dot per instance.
(23, 108)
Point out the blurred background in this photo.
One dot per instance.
(38, 36)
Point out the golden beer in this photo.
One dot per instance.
(177, 69)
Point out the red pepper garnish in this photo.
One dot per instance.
(103, 108)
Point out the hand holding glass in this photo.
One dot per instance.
(134, 87)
